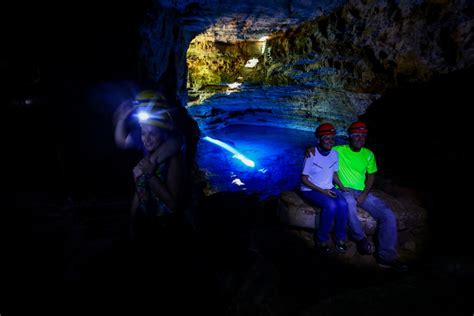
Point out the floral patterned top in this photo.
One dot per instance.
(148, 203)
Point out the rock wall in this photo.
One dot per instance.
(344, 55)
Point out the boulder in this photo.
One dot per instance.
(292, 210)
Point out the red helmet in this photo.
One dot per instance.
(325, 129)
(358, 127)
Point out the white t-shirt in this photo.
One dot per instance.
(320, 170)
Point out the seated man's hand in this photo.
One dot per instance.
(344, 189)
(310, 151)
(361, 198)
(330, 193)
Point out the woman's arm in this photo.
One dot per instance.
(121, 134)
(169, 192)
(170, 147)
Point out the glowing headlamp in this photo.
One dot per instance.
(143, 116)
(161, 119)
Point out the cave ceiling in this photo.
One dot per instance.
(297, 63)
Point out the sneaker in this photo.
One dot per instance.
(323, 248)
(396, 265)
(365, 247)
(341, 246)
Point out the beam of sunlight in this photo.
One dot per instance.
(231, 149)
(264, 40)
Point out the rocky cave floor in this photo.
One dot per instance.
(240, 261)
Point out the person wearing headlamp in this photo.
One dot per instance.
(159, 174)
(126, 134)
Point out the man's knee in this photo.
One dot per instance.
(342, 203)
(389, 217)
(349, 199)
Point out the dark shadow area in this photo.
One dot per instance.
(420, 134)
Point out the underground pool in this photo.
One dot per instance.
(277, 154)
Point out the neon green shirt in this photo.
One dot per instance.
(354, 165)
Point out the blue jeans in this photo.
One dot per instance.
(386, 222)
(332, 210)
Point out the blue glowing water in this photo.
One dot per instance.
(278, 154)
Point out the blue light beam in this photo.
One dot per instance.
(231, 149)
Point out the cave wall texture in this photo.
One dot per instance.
(317, 60)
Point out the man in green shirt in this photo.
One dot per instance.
(357, 169)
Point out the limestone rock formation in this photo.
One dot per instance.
(295, 212)
(337, 56)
